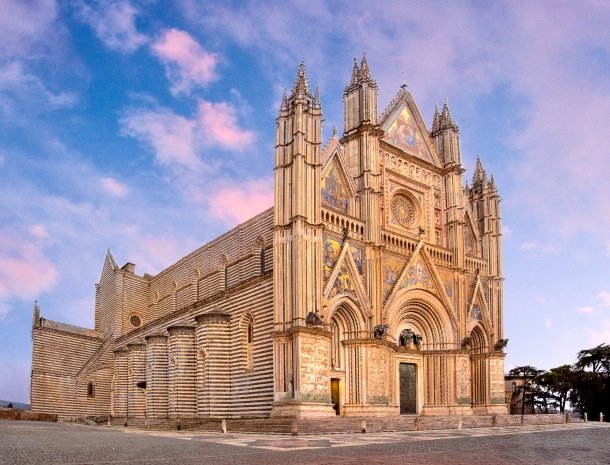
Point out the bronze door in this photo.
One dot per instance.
(408, 388)
(334, 395)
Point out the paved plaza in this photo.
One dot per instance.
(52, 443)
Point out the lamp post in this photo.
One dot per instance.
(523, 398)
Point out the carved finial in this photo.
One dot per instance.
(355, 73)
(479, 172)
(364, 68)
(335, 132)
(36, 315)
(316, 97)
(492, 183)
(436, 120)
(404, 80)
(284, 104)
(301, 84)
(345, 235)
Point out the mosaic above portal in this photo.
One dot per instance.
(334, 192)
(331, 252)
(417, 275)
(476, 313)
(343, 284)
(392, 267)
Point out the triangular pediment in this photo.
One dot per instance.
(477, 310)
(405, 128)
(420, 273)
(346, 279)
(471, 233)
(337, 188)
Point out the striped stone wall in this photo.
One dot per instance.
(136, 377)
(156, 376)
(181, 371)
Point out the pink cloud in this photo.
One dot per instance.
(25, 272)
(603, 299)
(114, 187)
(171, 137)
(24, 24)
(39, 231)
(219, 125)
(187, 64)
(234, 202)
(114, 24)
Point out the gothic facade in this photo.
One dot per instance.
(373, 286)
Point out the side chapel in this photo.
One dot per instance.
(373, 286)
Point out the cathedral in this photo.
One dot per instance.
(372, 287)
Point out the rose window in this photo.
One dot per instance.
(403, 210)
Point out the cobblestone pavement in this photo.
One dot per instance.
(50, 443)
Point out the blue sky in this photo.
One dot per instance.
(147, 127)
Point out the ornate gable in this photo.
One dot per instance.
(420, 273)
(337, 190)
(404, 128)
(346, 278)
(477, 309)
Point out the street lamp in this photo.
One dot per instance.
(522, 374)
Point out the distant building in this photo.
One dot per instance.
(373, 286)
(514, 396)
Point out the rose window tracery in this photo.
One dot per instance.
(403, 210)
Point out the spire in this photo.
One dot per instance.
(479, 172)
(36, 315)
(284, 104)
(335, 136)
(301, 83)
(365, 74)
(436, 119)
(355, 73)
(492, 183)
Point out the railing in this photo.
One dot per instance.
(476, 264)
(343, 222)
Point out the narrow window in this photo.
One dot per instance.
(262, 258)
(90, 390)
(249, 345)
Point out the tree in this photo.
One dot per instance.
(597, 359)
(529, 376)
(591, 392)
(558, 383)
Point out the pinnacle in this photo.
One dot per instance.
(355, 73)
(436, 119)
(479, 172)
(301, 82)
(335, 132)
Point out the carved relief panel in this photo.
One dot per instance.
(315, 362)
(378, 375)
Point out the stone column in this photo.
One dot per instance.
(120, 370)
(136, 390)
(156, 376)
(213, 365)
(181, 371)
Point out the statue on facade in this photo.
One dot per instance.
(380, 331)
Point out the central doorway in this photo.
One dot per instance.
(334, 395)
(408, 388)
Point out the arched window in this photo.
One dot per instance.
(223, 269)
(258, 251)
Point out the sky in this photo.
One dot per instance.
(147, 128)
